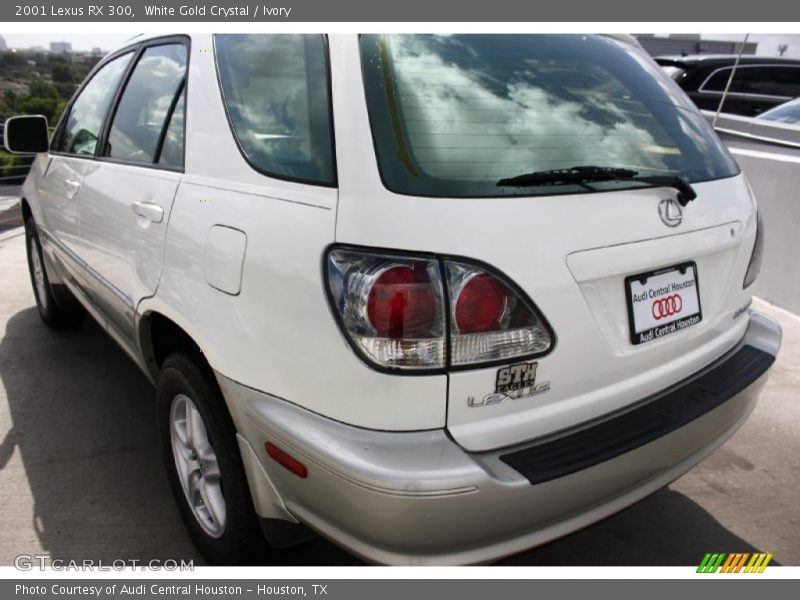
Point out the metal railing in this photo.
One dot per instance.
(769, 154)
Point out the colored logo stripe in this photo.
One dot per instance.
(759, 562)
(711, 563)
(734, 562)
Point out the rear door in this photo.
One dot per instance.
(126, 200)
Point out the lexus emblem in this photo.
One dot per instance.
(670, 212)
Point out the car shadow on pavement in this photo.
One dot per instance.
(665, 529)
(83, 419)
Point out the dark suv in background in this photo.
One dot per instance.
(759, 83)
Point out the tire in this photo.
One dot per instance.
(203, 464)
(50, 312)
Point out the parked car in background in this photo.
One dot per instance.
(508, 298)
(788, 112)
(759, 84)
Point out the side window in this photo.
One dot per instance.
(718, 81)
(765, 80)
(146, 103)
(771, 81)
(172, 150)
(275, 89)
(87, 114)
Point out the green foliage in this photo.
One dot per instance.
(36, 105)
(51, 80)
(39, 88)
(48, 81)
(61, 73)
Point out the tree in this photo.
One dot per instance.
(61, 73)
(42, 99)
(34, 105)
(42, 89)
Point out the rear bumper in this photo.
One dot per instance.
(418, 498)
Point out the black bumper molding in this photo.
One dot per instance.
(649, 420)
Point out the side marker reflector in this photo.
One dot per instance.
(285, 460)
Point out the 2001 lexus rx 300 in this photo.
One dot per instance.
(436, 298)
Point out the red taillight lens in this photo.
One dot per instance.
(391, 307)
(481, 304)
(400, 303)
(393, 310)
(490, 320)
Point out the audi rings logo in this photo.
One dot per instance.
(667, 306)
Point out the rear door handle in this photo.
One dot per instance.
(72, 188)
(148, 210)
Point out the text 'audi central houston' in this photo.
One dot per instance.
(437, 298)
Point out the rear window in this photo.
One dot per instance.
(275, 88)
(452, 115)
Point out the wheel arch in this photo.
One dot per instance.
(160, 336)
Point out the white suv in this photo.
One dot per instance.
(436, 298)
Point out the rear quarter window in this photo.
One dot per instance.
(275, 90)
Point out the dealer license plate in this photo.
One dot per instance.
(662, 302)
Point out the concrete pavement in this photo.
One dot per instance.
(81, 477)
(10, 216)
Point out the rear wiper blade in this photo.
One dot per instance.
(588, 174)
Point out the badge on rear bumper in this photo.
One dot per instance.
(512, 383)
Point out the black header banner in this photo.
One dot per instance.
(732, 588)
(406, 11)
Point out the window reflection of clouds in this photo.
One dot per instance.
(275, 92)
(463, 123)
(89, 109)
(145, 102)
(453, 114)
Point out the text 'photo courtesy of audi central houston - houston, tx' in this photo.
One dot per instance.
(437, 298)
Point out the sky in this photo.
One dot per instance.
(79, 41)
(767, 43)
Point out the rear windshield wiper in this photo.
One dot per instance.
(588, 174)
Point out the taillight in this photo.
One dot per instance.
(400, 303)
(754, 267)
(490, 321)
(481, 304)
(392, 309)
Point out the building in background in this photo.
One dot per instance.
(60, 47)
(3, 45)
(691, 43)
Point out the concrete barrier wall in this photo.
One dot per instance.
(769, 155)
